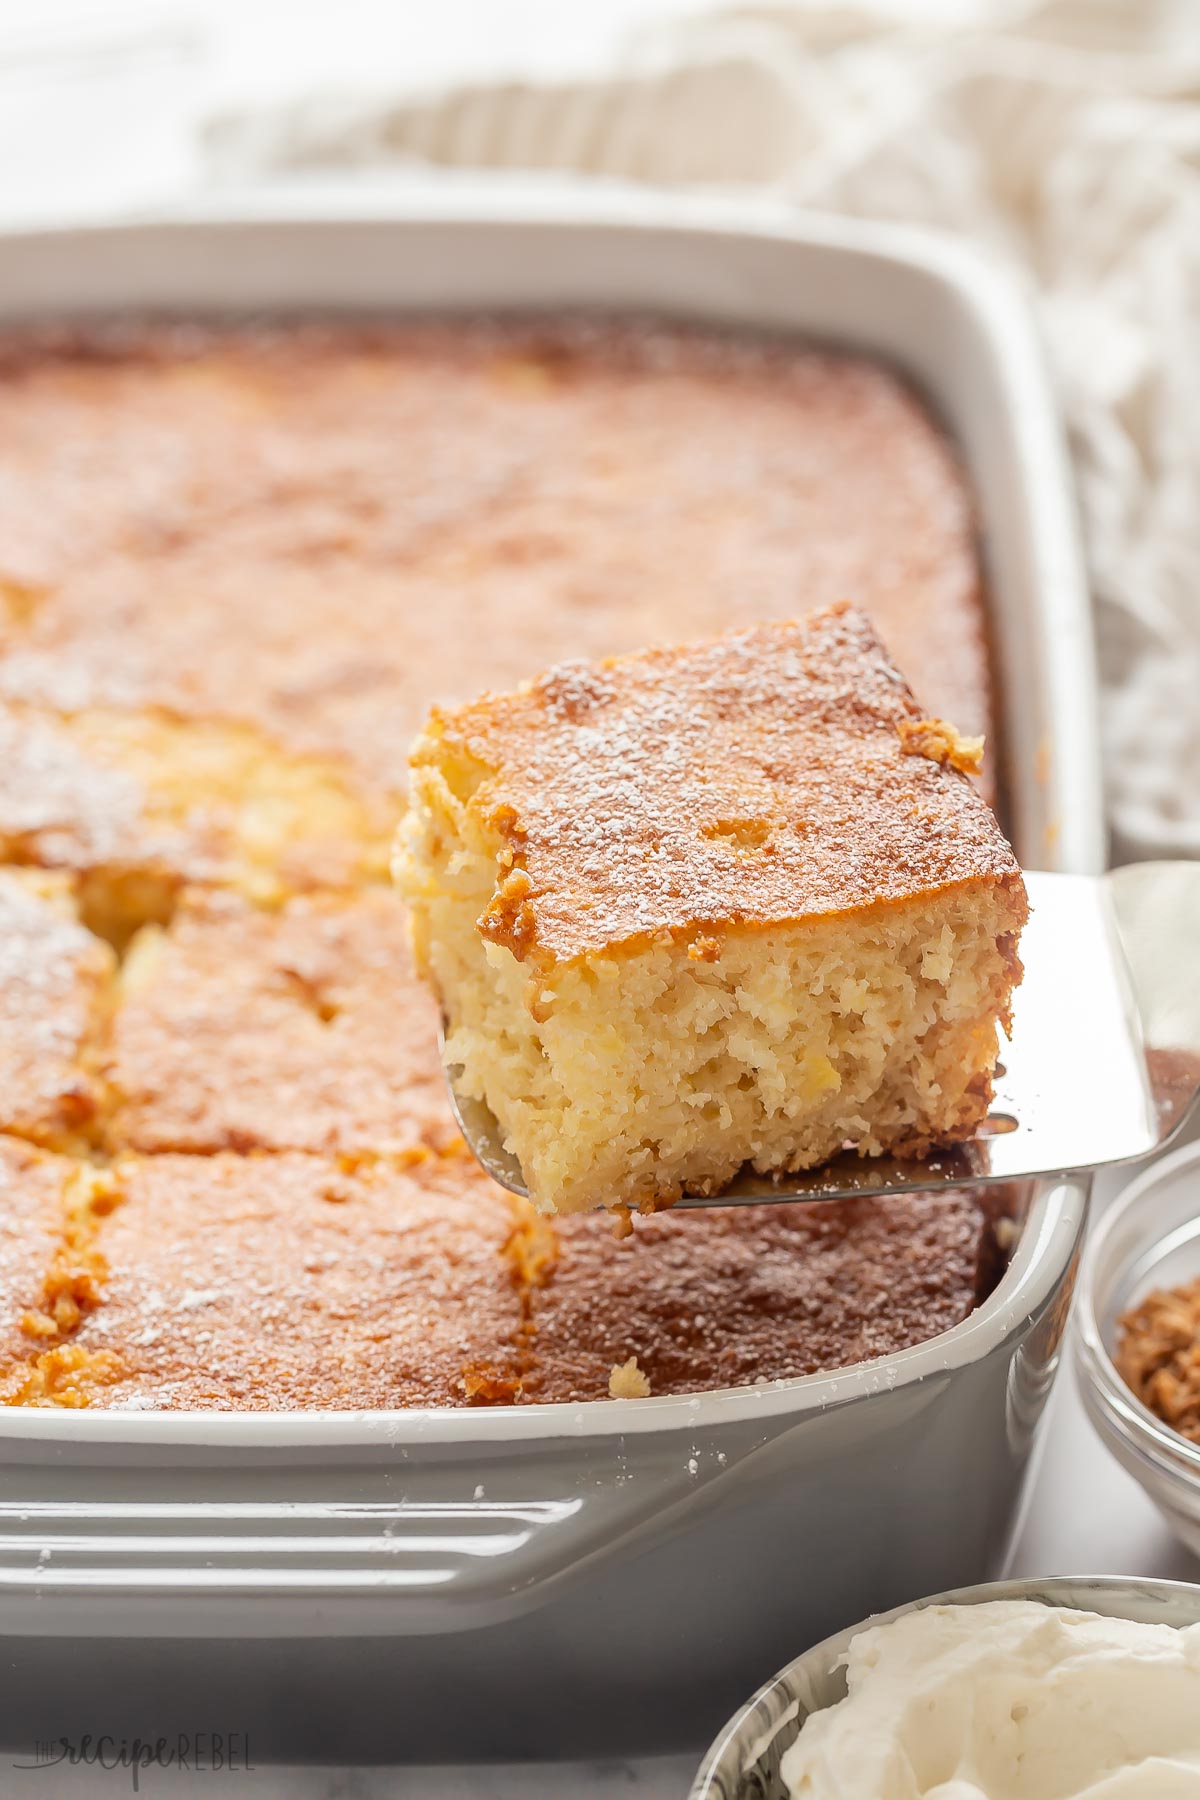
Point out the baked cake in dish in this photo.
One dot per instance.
(258, 1283)
(32, 1218)
(51, 1273)
(237, 565)
(314, 531)
(710, 906)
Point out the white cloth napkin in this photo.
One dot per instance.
(1062, 134)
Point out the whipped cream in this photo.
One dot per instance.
(1008, 1701)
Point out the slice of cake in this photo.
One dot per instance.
(709, 906)
(56, 991)
(135, 805)
(299, 1028)
(32, 1211)
(268, 1283)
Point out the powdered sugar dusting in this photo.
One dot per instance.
(757, 777)
(54, 976)
(76, 811)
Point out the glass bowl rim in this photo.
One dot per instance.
(1167, 1450)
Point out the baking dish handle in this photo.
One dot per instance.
(438, 1565)
(409, 1547)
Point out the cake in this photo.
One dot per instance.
(283, 1282)
(251, 1029)
(723, 1298)
(237, 564)
(56, 996)
(313, 531)
(32, 1211)
(136, 804)
(267, 1283)
(51, 1272)
(709, 906)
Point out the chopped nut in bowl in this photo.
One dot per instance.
(1158, 1356)
(1137, 1335)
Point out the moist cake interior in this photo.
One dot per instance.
(704, 906)
(237, 564)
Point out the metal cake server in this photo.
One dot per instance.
(1103, 1065)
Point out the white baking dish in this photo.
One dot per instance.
(662, 1554)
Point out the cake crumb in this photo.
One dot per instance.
(484, 1385)
(1158, 1356)
(627, 1382)
(942, 743)
(1006, 1233)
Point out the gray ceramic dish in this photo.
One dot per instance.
(743, 1763)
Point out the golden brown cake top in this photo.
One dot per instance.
(194, 800)
(754, 779)
(283, 1281)
(58, 807)
(304, 1028)
(55, 995)
(277, 1282)
(724, 1297)
(383, 515)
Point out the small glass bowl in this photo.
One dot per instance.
(1149, 1239)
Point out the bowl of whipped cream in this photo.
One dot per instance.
(1079, 1688)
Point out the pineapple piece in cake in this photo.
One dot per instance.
(704, 906)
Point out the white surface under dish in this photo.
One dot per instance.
(453, 1549)
(1150, 1239)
